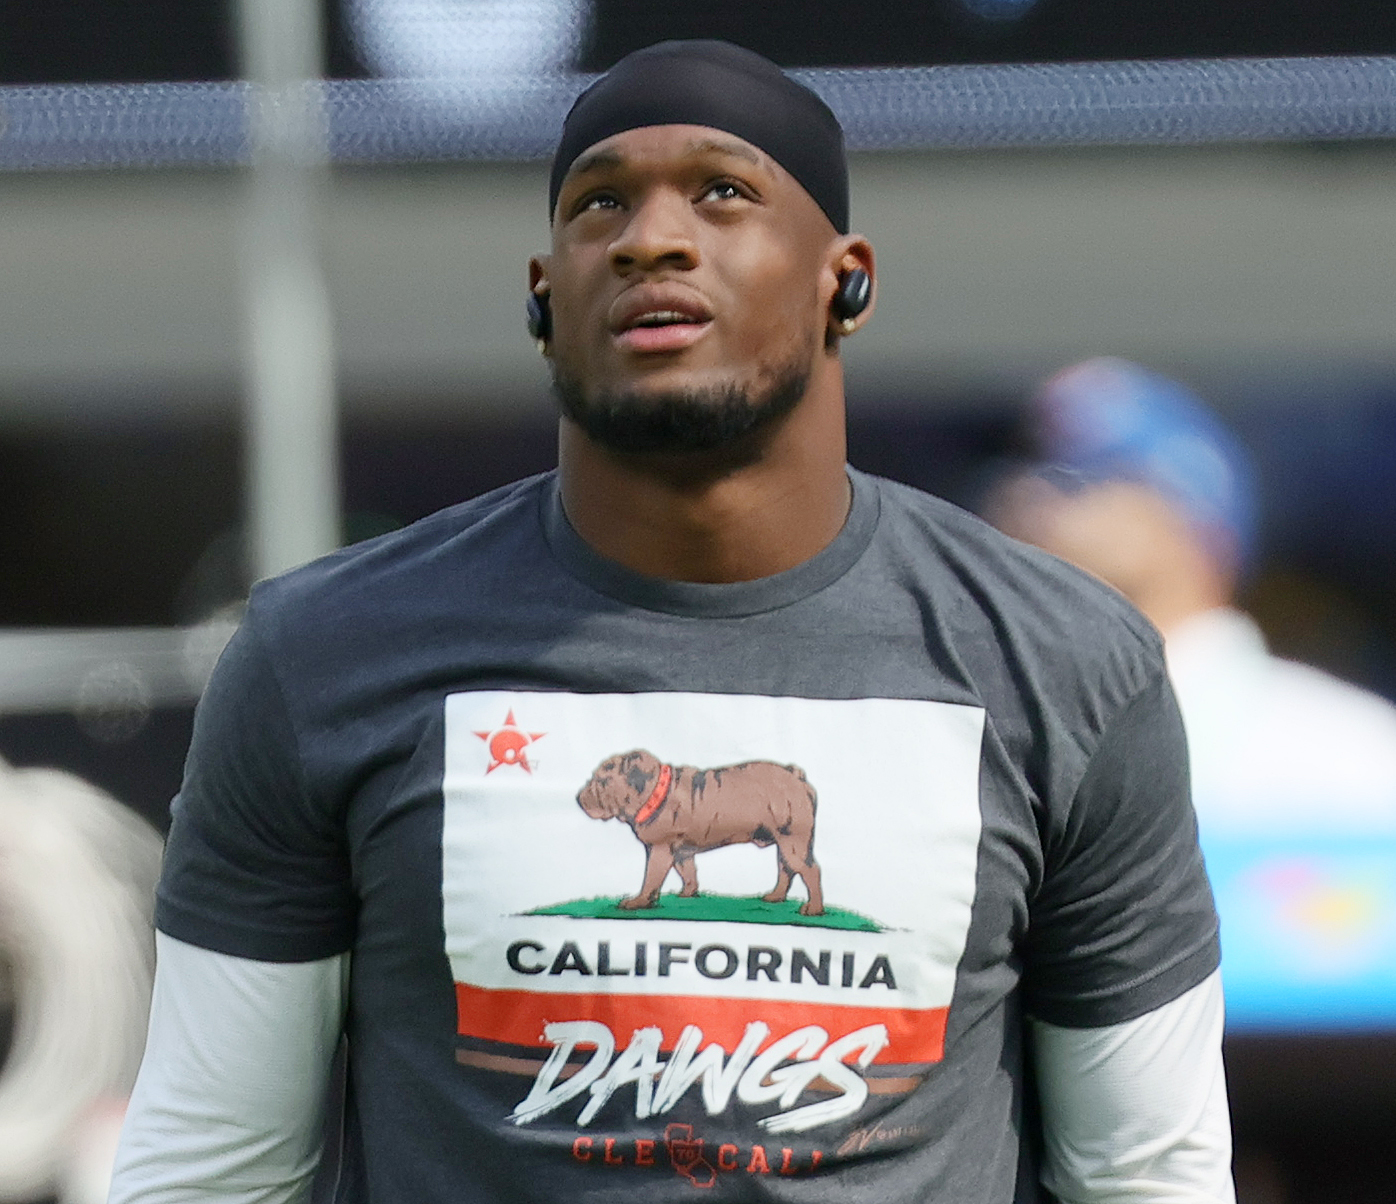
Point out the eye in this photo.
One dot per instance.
(723, 190)
(596, 201)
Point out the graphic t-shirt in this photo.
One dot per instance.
(656, 887)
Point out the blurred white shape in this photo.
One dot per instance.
(113, 702)
(77, 887)
(1278, 748)
(484, 41)
(76, 669)
(87, 1179)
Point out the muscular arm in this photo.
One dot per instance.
(1135, 1113)
(229, 1102)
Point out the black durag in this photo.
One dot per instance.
(723, 86)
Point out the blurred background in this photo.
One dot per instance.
(136, 476)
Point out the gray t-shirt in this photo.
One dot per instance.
(655, 886)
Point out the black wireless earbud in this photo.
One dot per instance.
(540, 316)
(854, 293)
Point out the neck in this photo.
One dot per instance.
(1184, 575)
(1170, 604)
(732, 514)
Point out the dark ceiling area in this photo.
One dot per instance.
(827, 33)
(113, 41)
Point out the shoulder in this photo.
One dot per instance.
(390, 577)
(1035, 606)
(1221, 657)
(1338, 739)
(1314, 692)
(413, 547)
(1275, 740)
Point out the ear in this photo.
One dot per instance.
(538, 276)
(635, 768)
(538, 306)
(846, 254)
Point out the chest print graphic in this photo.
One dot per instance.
(729, 978)
(508, 745)
(680, 811)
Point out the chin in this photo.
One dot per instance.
(679, 411)
(659, 386)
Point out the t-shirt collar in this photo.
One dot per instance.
(701, 599)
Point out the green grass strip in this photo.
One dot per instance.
(712, 908)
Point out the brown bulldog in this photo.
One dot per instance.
(677, 811)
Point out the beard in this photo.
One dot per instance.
(683, 420)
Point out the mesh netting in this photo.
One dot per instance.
(1018, 105)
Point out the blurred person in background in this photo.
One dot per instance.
(77, 951)
(1140, 484)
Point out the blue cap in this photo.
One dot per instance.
(1108, 419)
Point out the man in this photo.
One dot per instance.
(923, 790)
(1143, 487)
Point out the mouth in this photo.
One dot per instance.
(660, 323)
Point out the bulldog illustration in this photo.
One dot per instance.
(677, 811)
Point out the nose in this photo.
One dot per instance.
(659, 234)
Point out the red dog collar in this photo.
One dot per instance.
(657, 796)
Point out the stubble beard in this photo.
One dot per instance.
(684, 420)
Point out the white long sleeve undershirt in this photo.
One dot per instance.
(1136, 1113)
(229, 1103)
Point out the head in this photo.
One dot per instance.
(1139, 484)
(699, 244)
(619, 785)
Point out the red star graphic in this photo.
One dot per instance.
(507, 744)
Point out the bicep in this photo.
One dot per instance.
(1123, 920)
(257, 863)
(1136, 1113)
(229, 1101)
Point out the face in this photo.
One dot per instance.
(689, 282)
(615, 782)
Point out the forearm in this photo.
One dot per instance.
(1136, 1113)
(230, 1098)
